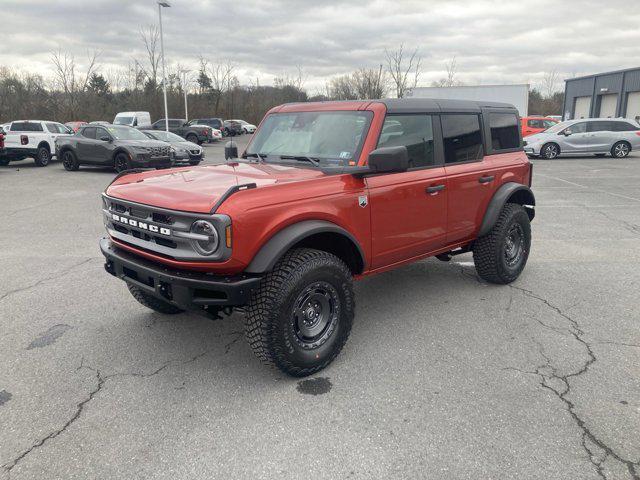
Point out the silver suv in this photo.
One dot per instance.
(597, 136)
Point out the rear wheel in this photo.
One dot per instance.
(501, 255)
(300, 316)
(620, 149)
(69, 161)
(192, 138)
(549, 151)
(43, 157)
(152, 302)
(121, 162)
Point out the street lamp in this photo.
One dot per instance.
(164, 4)
(184, 89)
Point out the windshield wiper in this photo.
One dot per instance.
(314, 161)
(259, 156)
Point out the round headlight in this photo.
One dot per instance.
(208, 245)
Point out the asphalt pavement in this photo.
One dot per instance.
(444, 376)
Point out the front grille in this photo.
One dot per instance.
(159, 151)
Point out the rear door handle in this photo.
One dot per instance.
(487, 179)
(435, 189)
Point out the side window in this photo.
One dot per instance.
(547, 123)
(504, 131)
(101, 132)
(576, 128)
(53, 128)
(18, 127)
(175, 123)
(624, 127)
(462, 138)
(600, 127)
(89, 132)
(414, 132)
(534, 123)
(158, 124)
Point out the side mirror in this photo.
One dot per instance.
(389, 159)
(230, 150)
(566, 133)
(105, 138)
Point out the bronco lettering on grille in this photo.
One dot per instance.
(141, 225)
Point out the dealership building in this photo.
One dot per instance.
(604, 95)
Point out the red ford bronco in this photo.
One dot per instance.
(324, 193)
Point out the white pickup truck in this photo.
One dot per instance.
(31, 138)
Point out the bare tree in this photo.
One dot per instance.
(68, 80)
(404, 71)
(370, 83)
(342, 88)
(151, 38)
(550, 83)
(451, 80)
(296, 80)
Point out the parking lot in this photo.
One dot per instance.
(444, 376)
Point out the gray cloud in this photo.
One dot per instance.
(493, 41)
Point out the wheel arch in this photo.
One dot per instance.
(118, 151)
(45, 144)
(318, 234)
(510, 192)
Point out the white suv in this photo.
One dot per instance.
(32, 138)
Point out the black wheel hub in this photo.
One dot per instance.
(315, 314)
(514, 245)
(121, 163)
(67, 161)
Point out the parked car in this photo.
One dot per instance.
(557, 118)
(141, 120)
(315, 202)
(193, 133)
(75, 126)
(246, 126)
(118, 146)
(531, 125)
(233, 128)
(182, 152)
(216, 124)
(32, 139)
(99, 122)
(589, 136)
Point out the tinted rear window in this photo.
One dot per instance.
(26, 127)
(504, 131)
(462, 138)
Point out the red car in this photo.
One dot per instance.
(75, 126)
(324, 194)
(532, 125)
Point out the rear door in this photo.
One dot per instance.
(409, 209)
(471, 178)
(601, 135)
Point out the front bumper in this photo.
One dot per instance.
(187, 290)
(143, 160)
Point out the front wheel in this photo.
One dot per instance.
(620, 149)
(121, 163)
(501, 255)
(549, 151)
(300, 316)
(43, 157)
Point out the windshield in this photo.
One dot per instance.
(336, 136)
(126, 133)
(166, 136)
(123, 121)
(557, 127)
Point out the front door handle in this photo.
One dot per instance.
(487, 179)
(435, 189)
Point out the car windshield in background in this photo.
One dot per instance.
(334, 136)
(167, 136)
(557, 127)
(123, 121)
(127, 133)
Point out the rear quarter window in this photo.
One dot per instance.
(26, 127)
(504, 131)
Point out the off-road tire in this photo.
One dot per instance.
(271, 326)
(121, 162)
(549, 151)
(620, 149)
(43, 157)
(70, 161)
(490, 250)
(192, 138)
(152, 302)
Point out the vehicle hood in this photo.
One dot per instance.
(198, 189)
(537, 138)
(185, 145)
(142, 143)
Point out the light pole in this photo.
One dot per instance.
(164, 4)
(184, 89)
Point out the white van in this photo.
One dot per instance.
(133, 119)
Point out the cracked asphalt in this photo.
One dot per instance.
(444, 377)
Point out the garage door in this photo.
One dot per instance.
(582, 107)
(608, 105)
(633, 105)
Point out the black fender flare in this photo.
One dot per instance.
(524, 197)
(286, 238)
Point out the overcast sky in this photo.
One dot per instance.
(494, 42)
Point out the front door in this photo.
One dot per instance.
(408, 209)
(86, 146)
(576, 139)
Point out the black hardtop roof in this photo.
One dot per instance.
(409, 105)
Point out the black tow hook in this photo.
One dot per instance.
(108, 266)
